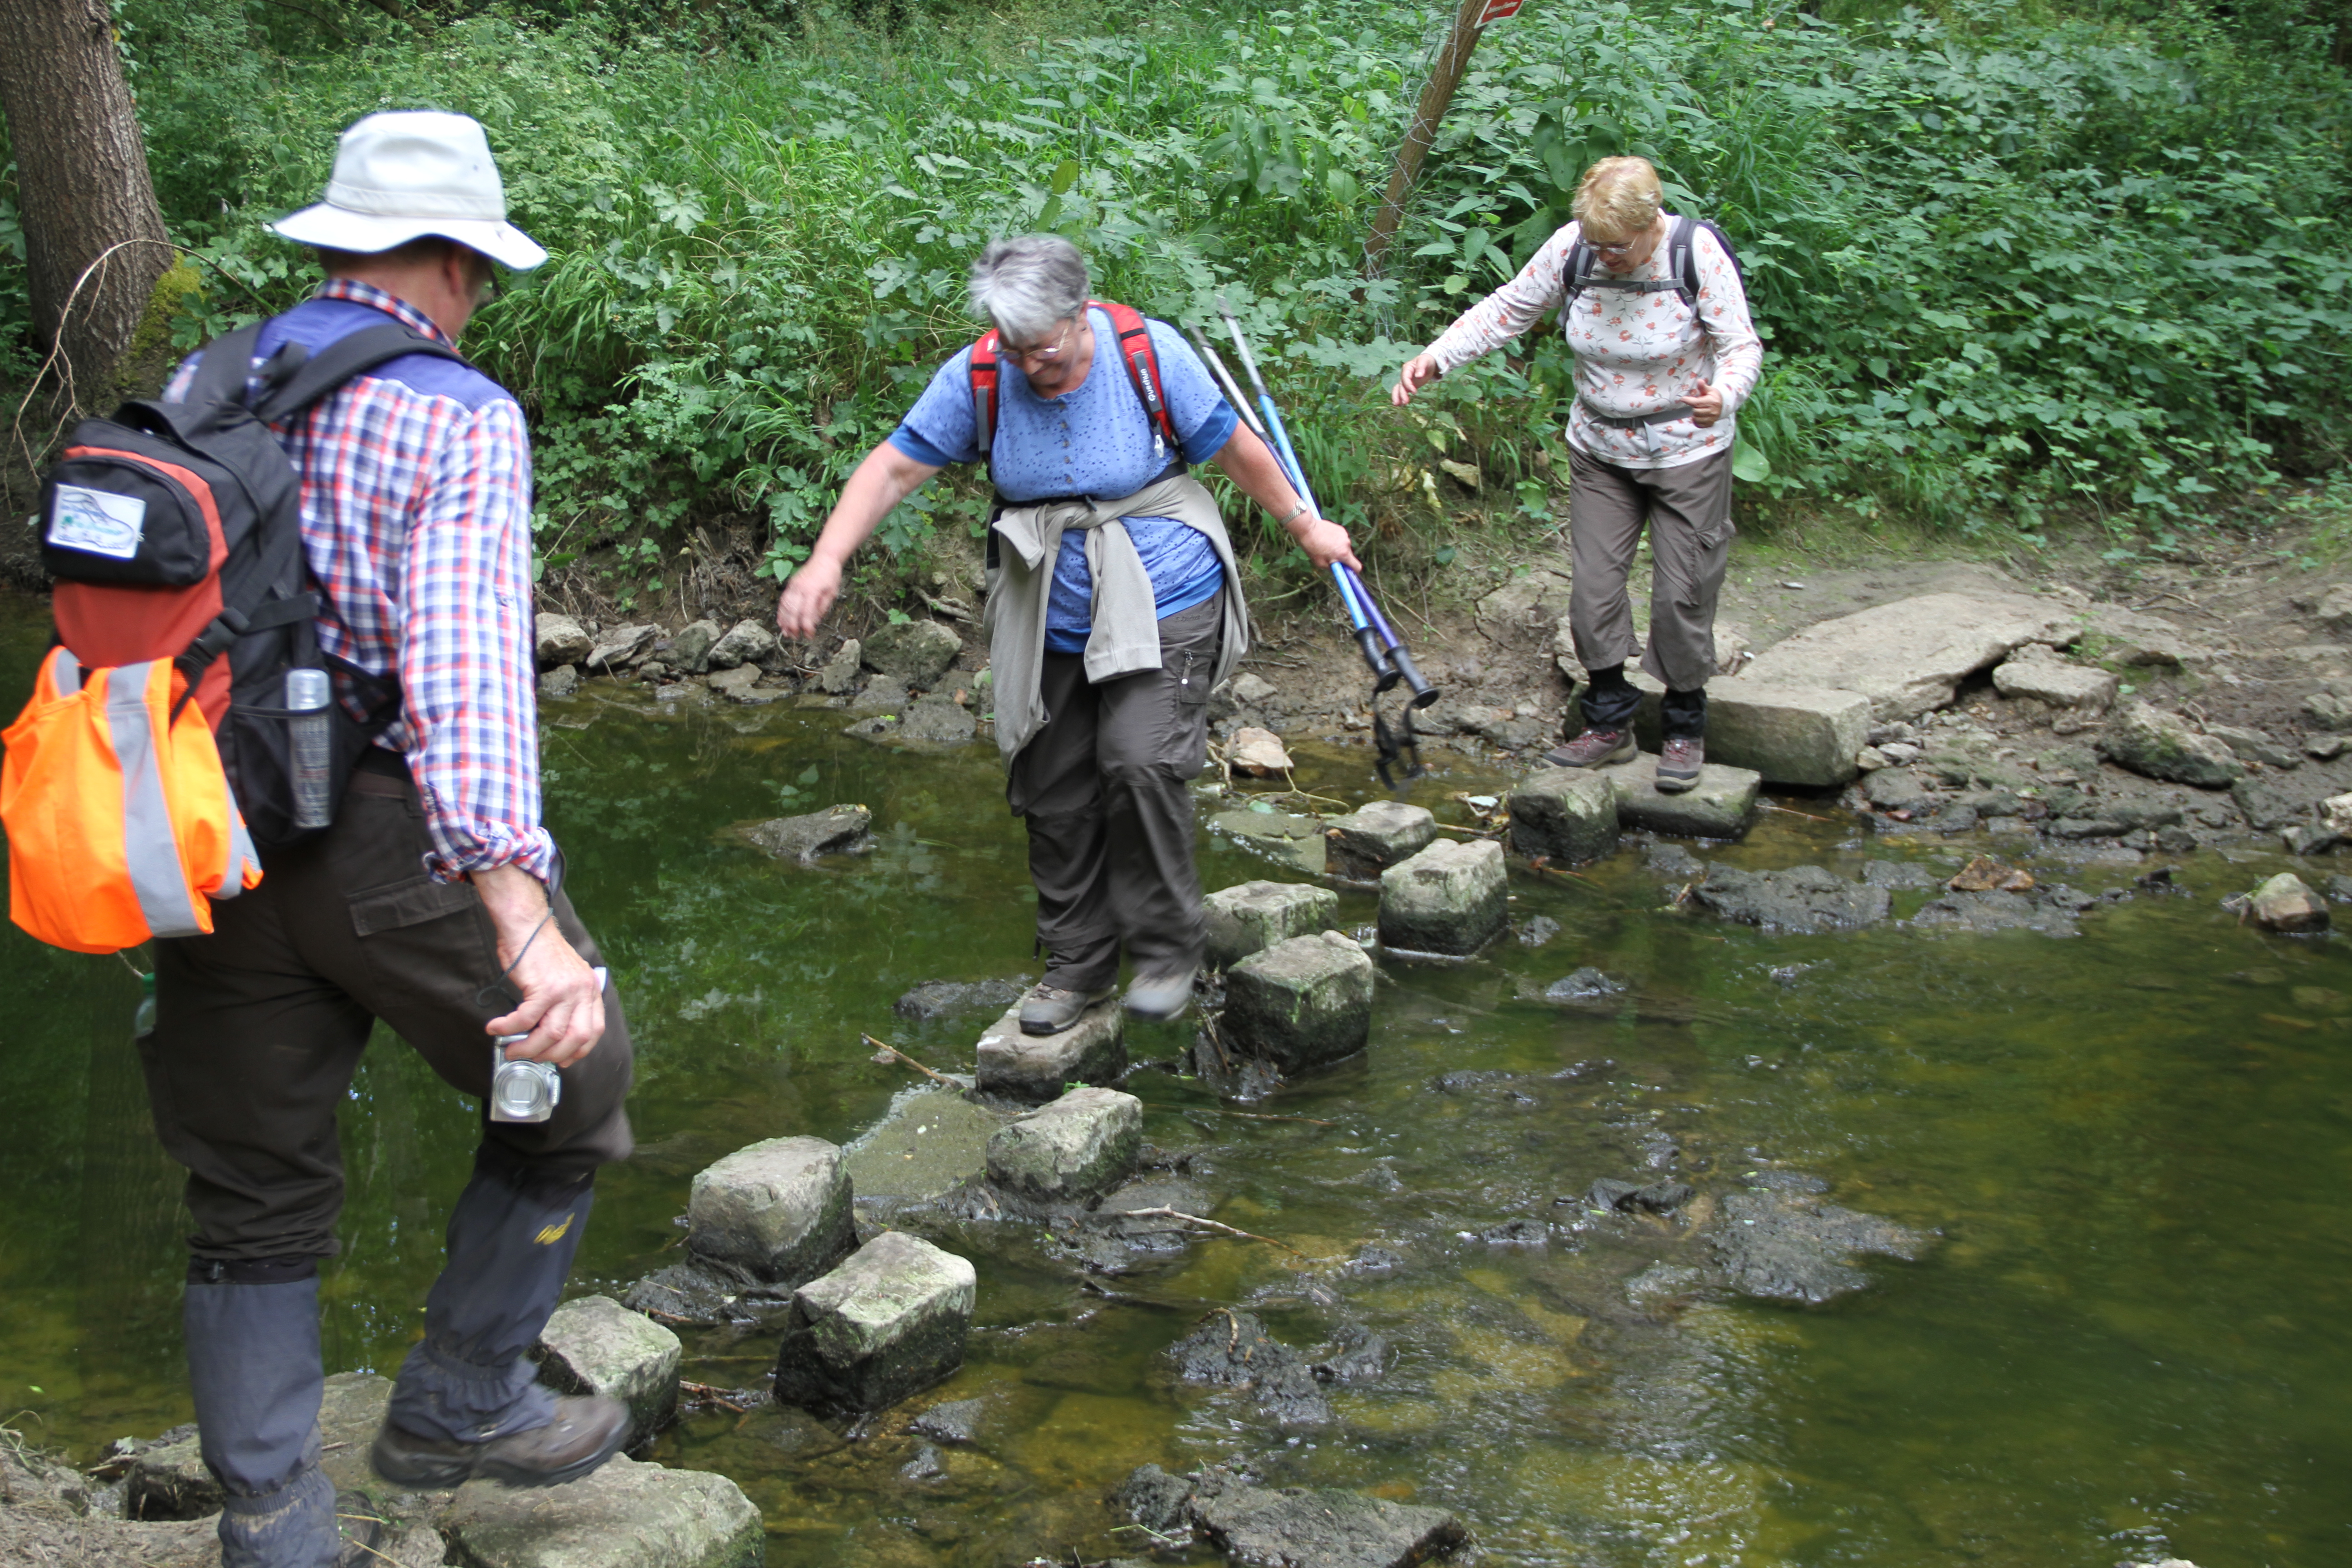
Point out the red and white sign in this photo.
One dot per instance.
(1497, 10)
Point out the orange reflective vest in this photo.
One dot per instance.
(121, 823)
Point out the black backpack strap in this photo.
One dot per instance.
(227, 363)
(1575, 275)
(322, 373)
(1682, 264)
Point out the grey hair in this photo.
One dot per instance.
(1029, 285)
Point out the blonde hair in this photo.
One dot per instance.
(1618, 197)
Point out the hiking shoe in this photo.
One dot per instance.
(1159, 997)
(1678, 764)
(584, 1434)
(1594, 748)
(1048, 1009)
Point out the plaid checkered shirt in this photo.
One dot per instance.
(416, 523)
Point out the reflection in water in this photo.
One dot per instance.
(2132, 1143)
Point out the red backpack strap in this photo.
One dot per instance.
(985, 366)
(1142, 362)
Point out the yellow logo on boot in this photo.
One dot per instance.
(552, 1233)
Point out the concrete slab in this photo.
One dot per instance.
(1448, 898)
(1911, 655)
(1564, 815)
(1279, 836)
(928, 1140)
(1301, 1003)
(593, 1345)
(1375, 837)
(625, 1515)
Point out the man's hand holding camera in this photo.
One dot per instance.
(563, 1009)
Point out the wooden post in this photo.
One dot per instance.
(1437, 96)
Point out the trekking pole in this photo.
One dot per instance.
(1384, 652)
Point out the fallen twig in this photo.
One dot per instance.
(1792, 811)
(884, 1051)
(710, 1393)
(1163, 1212)
(1209, 1027)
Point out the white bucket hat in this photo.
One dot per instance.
(403, 175)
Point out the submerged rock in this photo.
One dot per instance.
(1232, 1349)
(1585, 986)
(835, 830)
(1802, 898)
(1279, 836)
(1791, 1246)
(1292, 1527)
(955, 1422)
(2048, 911)
(889, 1323)
(945, 998)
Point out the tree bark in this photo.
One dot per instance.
(82, 183)
(1436, 96)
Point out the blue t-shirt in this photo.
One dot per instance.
(1096, 441)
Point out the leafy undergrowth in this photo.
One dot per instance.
(2009, 272)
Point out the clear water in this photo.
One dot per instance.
(2135, 1144)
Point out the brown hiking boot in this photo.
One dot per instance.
(1594, 748)
(1050, 1009)
(584, 1434)
(1679, 761)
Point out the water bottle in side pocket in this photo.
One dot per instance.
(308, 739)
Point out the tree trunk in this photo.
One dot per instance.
(82, 178)
(1436, 96)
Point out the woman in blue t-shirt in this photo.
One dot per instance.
(1113, 609)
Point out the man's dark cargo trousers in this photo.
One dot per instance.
(259, 1029)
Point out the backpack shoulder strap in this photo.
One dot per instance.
(227, 363)
(987, 366)
(1682, 265)
(1142, 362)
(1575, 273)
(308, 380)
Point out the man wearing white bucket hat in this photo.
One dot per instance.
(432, 901)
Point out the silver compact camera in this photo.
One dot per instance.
(521, 1091)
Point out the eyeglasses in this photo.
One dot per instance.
(1625, 248)
(1044, 354)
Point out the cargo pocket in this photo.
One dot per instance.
(430, 940)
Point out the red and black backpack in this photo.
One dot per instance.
(1135, 351)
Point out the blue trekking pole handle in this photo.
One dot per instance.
(1284, 453)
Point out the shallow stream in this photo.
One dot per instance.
(2136, 1144)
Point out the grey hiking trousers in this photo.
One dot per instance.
(1688, 511)
(1104, 789)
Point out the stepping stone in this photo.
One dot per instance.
(593, 1345)
(623, 1515)
(1038, 1068)
(835, 830)
(1448, 898)
(1717, 806)
(1253, 915)
(889, 1323)
(915, 652)
(1301, 1003)
(1079, 1147)
(1808, 735)
(1564, 815)
(1279, 836)
(777, 1212)
(1374, 837)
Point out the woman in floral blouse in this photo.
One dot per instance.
(1658, 378)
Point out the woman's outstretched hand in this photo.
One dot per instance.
(1417, 373)
(807, 597)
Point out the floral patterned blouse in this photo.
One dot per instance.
(1635, 352)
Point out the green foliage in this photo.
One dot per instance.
(2002, 271)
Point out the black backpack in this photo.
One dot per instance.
(174, 531)
(1682, 266)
